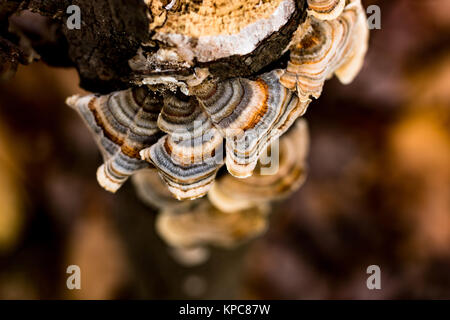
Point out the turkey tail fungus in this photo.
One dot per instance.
(198, 87)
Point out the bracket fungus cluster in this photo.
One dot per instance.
(235, 209)
(216, 87)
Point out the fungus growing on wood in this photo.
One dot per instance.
(217, 83)
(235, 210)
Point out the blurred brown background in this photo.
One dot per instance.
(377, 191)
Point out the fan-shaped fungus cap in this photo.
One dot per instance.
(189, 156)
(326, 9)
(327, 47)
(123, 123)
(185, 180)
(249, 114)
(266, 184)
(203, 224)
(350, 68)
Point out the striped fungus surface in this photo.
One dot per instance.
(175, 140)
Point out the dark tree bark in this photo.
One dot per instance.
(110, 35)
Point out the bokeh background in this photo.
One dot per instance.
(378, 190)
